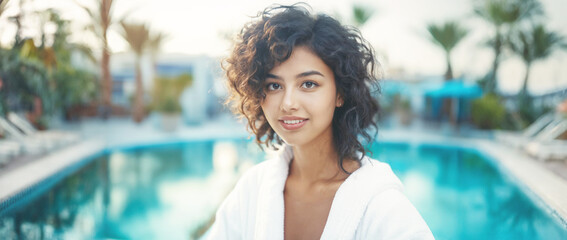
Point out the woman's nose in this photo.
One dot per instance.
(289, 101)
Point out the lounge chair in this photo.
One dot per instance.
(8, 150)
(552, 150)
(29, 143)
(537, 129)
(550, 144)
(29, 130)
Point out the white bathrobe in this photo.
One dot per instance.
(369, 204)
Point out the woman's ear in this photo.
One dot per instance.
(339, 102)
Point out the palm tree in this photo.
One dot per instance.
(503, 15)
(534, 44)
(102, 19)
(60, 44)
(447, 36)
(72, 86)
(138, 37)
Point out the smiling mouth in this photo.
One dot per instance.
(293, 124)
(292, 121)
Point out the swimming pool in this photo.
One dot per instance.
(168, 191)
(461, 194)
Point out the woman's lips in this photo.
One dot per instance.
(293, 124)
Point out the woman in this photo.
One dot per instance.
(304, 84)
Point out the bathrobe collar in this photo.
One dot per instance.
(347, 209)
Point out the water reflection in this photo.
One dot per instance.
(462, 196)
(53, 212)
(163, 192)
(168, 192)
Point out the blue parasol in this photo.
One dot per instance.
(455, 89)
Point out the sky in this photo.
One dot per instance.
(396, 31)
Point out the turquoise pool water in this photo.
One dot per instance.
(170, 191)
(462, 195)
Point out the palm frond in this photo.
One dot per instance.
(501, 12)
(137, 36)
(28, 49)
(361, 14)
(92, 15)
(156, 40)
(447, 35)
(535, 43)
(84, 50)
(95, 29)
(545, 41)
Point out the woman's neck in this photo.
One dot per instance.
(317, 163)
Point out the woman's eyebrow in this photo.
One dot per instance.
(273, 76)
(309, 73)
(303, 74)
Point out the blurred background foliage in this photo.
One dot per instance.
(167, 91)
(39, 74)
(488, 112)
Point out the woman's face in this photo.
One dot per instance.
(301, 97)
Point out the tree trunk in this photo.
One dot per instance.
(155, 70)
(525, 105)
(524, 90)
(449, 73)
(138, 111)
(491, 84)
(106, 80)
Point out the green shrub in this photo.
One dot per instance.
(488, 112)
(167, 91)
(169, 105)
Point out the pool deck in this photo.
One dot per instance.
(99, 135)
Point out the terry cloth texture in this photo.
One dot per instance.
(369, 204)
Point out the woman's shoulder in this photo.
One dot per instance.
(377, 175)
(236, 215)
(389, 211)
(372, 197)
(256, 174)
(392, 214)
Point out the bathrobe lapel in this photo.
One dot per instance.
(353, 196)
(347, 209)
(270, 211)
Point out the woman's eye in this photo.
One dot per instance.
(272, 86)
(309, 85)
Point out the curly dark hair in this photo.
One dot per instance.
(270, 39)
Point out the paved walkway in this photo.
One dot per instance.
(98, 135)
